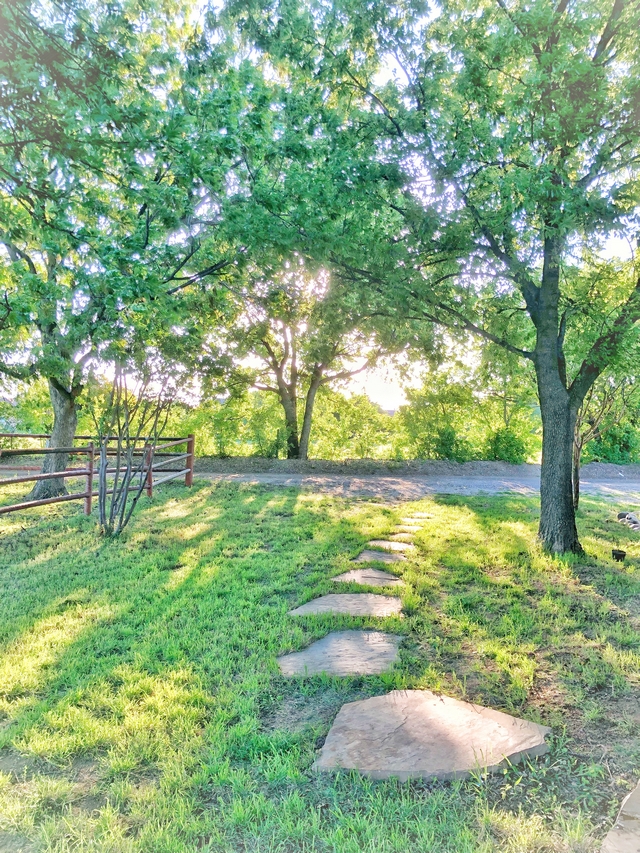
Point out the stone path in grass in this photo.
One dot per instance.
(368, 556)
(344, 653)
(408, 734)
(625, 835)
(416, 734)
(369, 577)
(387, 545)
(352, 603)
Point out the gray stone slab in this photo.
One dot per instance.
(408, 528)
(415, 734)
(369, 577)
(625, 835)
(344, 653)
(354, 603)
(369, 556)
(387, 545)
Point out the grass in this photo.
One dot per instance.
(141, 707)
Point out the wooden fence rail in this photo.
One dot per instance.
(150, 467)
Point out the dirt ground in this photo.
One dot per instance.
(411, 480)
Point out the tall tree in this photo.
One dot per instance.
(96, 192)
(513, 131)
(294, 333)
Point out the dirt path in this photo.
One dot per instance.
(411, 487)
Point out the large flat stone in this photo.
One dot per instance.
(369, 577)
(625, 835)
(387, 545)
(415, 734)
(408, 528)
(344, 653)
(354, 603)
(369, 556)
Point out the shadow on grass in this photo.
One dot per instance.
(157, 654)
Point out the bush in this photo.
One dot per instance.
(619, 444)
(506, 446)
(449, 445)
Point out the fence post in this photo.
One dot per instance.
(191, 450)
(89, 495)
(149, 464)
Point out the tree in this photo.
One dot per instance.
(511, 134)
(97, 194)
(612, 401)
(292, 334)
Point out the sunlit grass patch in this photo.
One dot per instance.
(154, 657)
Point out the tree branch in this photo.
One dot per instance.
(606, 347)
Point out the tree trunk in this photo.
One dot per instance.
(291, 421)
(308, 416)
(65, 419)
(575, 472)
(557, 531)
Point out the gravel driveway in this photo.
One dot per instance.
(411, 487)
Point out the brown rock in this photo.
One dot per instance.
(344, 653)
(386, 545)
(355, 603)
(415, 734)
(369, 577)
(625, 835)
(368, 556)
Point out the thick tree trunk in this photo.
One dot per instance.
(557, 531)
(65, 419)
(291, 425)
(575, 472)
(308, 417)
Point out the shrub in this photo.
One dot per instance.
(506, 445)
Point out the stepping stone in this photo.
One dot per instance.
(368, 556)
(369, 577)
(408, 528)
(411, 522)
(625, 835)
(415, 734)
(354, 603)
(386, 545)
(344, 653)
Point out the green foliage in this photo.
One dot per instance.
(464, 414)
(26, 408)
(619, 443)
(351, 428)
(248, 424)
(506, 445)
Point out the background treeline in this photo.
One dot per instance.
(443, 419)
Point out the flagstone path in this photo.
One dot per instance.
(368, 556)
(344, 653)
(416, 734)
(353, 603)
(625, 835)
(408, 734)
(387, 545)
(369, 577)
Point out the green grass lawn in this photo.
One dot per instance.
(141, 706)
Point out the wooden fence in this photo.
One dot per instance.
(150, 453)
